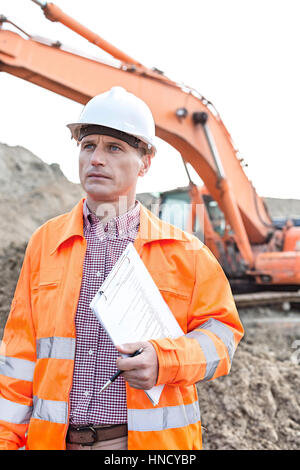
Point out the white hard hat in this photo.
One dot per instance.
(120, 110)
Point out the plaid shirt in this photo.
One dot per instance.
(95, 356)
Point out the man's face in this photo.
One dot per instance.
(109, 168)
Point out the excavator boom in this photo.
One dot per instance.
(175, 110)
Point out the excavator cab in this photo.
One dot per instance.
(194, 210)
(216, 215)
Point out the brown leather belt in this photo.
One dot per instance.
(88, 435)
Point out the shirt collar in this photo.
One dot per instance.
(120, 225)
(151, 228)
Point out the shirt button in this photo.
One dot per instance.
(86, 393)
(98, 274)
(91, 352)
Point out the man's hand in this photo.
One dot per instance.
(140, 371)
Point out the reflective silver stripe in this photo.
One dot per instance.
(223, 332)
(55, 347)
(158, 419)
(14, 412)
(209, 349)
(50, 410)
(16, 368)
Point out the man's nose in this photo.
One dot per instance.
(98, 157)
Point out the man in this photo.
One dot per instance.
(49, 382)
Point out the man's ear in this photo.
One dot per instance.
(146, 163)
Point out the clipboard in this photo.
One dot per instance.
(131, 308)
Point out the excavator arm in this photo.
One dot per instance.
(183, 117)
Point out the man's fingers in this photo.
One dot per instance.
(129, 348)
(139, 371)
(129, 363)
(136, 380)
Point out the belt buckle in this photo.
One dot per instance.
(94, 434)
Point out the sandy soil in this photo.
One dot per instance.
(257, 406)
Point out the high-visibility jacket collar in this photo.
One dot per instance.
(151, 228)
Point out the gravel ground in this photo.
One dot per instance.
(257, 406)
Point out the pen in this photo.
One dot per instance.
(116, 375)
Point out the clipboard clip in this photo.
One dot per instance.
(99, 294)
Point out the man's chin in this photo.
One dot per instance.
(98, 192)
(100, 197)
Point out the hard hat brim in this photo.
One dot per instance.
(75, 129)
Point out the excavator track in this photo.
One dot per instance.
(283, 299)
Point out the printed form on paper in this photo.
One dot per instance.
(131, 308)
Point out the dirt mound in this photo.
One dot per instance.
(31, 192)
(11, 260)
(283, 207)
(257, 406)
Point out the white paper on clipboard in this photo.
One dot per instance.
(131, 308)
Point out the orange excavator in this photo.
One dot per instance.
(250, 248)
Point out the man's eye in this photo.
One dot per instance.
(114, 148)
(88, 146)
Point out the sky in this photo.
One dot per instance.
(243, 56)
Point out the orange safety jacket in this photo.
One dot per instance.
(38, 347)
